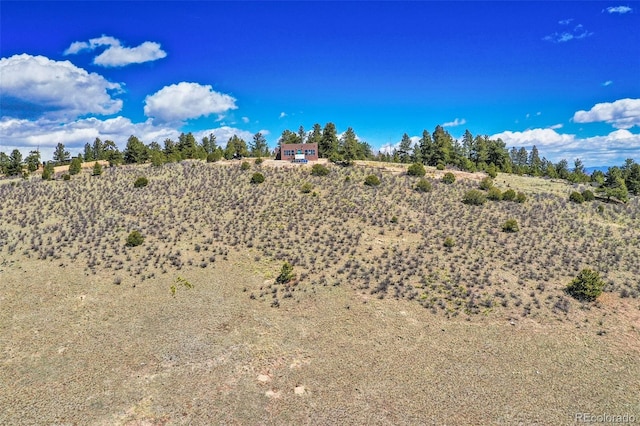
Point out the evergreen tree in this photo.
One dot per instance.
(443, 144)
(171, 151)
(75, 166)
(632, 177)
(111, 153)
(187, 146)
(135, 152)
(614, 185)
(97, 169)
(48, 171)
(329, 143)
(88, 152)
(302, 135)
(316, 134)
(209, 143)
(467, 144)
(236, 148)
(426, 148)
(480, 151)
(33, 161)
(535, 164)
(349, 149)
(562, 169)
(14, 166)
(98, 150)
(259, 147)
(404, 149)
(60, 154)
(4, 163)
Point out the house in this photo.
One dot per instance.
(298, 152)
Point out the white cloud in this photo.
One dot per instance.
(454, 123)
(621, 114)
(116, 55)
(577, 33)
(55, 89)
(607, 83)
(556, 126)
(598, 150)
(224, 133)
(282, 114)
(618, 9)
(182, 101)
(565, 21)
(388, 148)
(245, 120)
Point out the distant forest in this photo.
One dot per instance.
(438, 149)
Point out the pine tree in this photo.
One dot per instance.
(60, 154)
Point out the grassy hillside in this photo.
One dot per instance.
(384, 324)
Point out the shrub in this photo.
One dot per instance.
(286, 274)
(97, 169)
(521, 198)
(48, 172)
(440, 166)
(214, 156)
(474, 197)
(306, 188)
(494, 194)
(259, 161)
(588, 195)
(492, 171)
(134, 239)
(509, 195)
(449, 177)
(394, 219)
(416, 169)
(423, 185)
(319, 170)
(257, 178)
(66, 176)
(511, 225)
(486, 183)
(141, 182)
(75, 166)
(576, 197)
(449, 242)
(372, 180)
(587, 286)
(245, 165)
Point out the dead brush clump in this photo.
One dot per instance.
(197, 213)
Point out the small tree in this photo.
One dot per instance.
(588, 195)
(372, 180)
(48, 171)
(319, 170)
(257, 178)
(474, 197)
(423, 185)
(511, 225)
(141, 182)
(449, 178)
(97, 169)
(75, 166)
(416, 169)
(134, 239)
(587, 286)
(286, 274)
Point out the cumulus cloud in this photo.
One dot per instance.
(607, 83)
(224, 133)
(621, 114)
(556, 126)
(598, 150)
(565, 21)
(282, 114)
(618, 9)
(454, 123)
(183, 101)
(116, 55)
(54, 89)
(388, 148)
(245, 120)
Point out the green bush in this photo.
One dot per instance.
(423, 185)
(141, 182)
(306, 188)
(319, 170)
(509, 195)
(286, 274)
(66, 176)
(75, 166)
(511, 225)
(588, 195)
(494, 194)
(449, 242)
(449, 178)
(245, 165)
(492, 171)
(257, 178)
(214, 156)
(48, 171)
(258, 161)
(521, 198)
(134, 239)
(587, 286)
(372, 180)
(416, 169)
(440, 166)
(474, 197)
(576, 197)
(486, 183)
(97, 169)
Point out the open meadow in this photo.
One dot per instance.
(383, 324)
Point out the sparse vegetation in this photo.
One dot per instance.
(306, 188)
(245, 165)
(141, 182)
(134, 239)
(257, 178)
(576, 197)
(319, 170)
(511, 225)
(286, 274)
(449, 178)
(372, 180)
(423, 185)
(474, 197)
(494, 194)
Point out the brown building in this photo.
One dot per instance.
(298, 152)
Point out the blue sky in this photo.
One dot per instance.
(562, 75)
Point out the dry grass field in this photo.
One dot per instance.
(383, 324)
